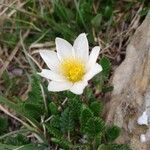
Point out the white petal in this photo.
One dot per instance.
(93, 71)
(51, 75)
(64, 48)
(59, 86)
(50, 58)
(93, 57)
(78, 87)
(81, 47)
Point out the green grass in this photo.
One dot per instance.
(47, 20)
(64, 18)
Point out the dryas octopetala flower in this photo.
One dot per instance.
(70, 67)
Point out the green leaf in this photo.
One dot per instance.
(23, 147)
(102, 147)
(7, 147)
(63, 13)
(97, 141)
(108, 12)
(97, 108)
(112, 133)
(105, 63)
(84, 14)
(75, 108)
(86, 114)
(35, 95)
(53, 108)
(55, 121)
(8, 103)
(17, 140)
(6, 78)
(54, 131)
(10, 38)
(65, 31)
(106, 89)
(63, 143)
(89, 94)
(18, 110)
(96, 21)
(144, 11)
(33, 110)
(94, 127)
(3, 125)
(66, 121)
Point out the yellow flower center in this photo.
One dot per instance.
(73, 69)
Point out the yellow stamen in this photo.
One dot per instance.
(73, 69)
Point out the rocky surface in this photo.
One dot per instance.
(131, 94)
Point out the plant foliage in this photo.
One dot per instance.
(71, 125)
(74, 124)
(63, 121)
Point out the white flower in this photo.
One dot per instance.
(72, 66)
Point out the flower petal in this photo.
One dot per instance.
(81, 47)
(55, 86)
(51, 59)
(93, 57)
(51, 75)
(64, 48)
(93, 71)
(78, 87)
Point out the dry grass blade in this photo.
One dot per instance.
(11, 115)
(13, 53)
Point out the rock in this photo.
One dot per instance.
(143, 120)
(131, 94)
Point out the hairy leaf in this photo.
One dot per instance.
(112, 133)
(94, 127)
(86, 114)
(53, 108)
(66, 121)
(97, 108)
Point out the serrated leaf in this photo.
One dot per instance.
(17, 140)
(33, 110)
(55, 121)
(23, 147)
(97, 108)
(105, 63)
(66, 121)
(53, 108)
(75, 108)
(35, 95)
(112, 133)
(94, 127)
(86, 114)
(18, 109)
(54, 131)
(63, 143)
(106, 89)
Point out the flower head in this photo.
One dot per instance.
(70, 67)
